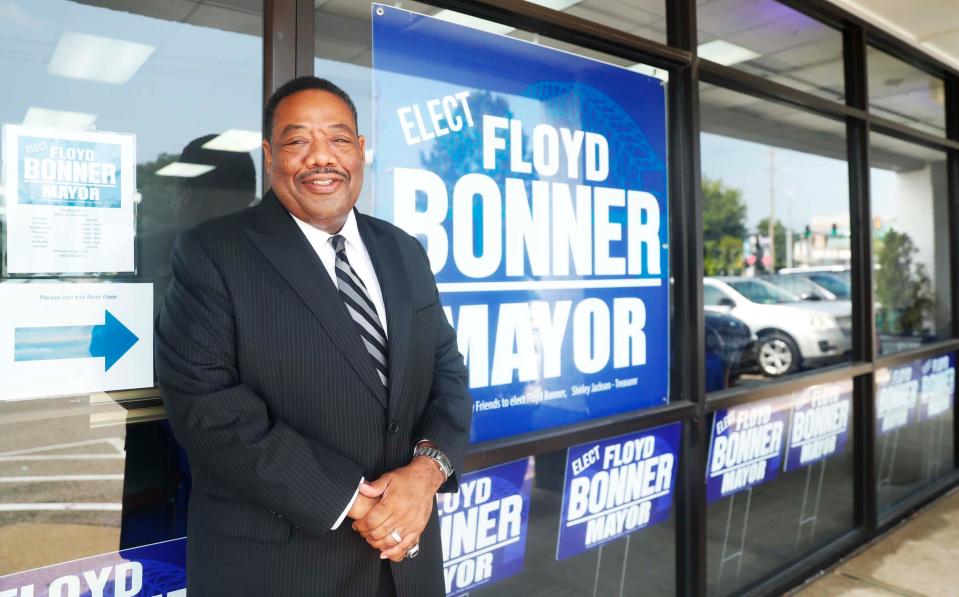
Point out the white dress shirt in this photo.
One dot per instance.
(359, 259)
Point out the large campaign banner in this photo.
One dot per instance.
(617, 486)
(897, 397)
(937, 388)
(70, 201)
(157, 570)
(746, 446)
(483, 526)
(536, 181)
(819, 425)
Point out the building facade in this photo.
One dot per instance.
(794, 395)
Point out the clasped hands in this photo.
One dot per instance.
(401, 501)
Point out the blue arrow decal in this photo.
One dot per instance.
(111, 341)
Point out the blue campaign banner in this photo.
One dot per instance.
(819, 425)
(897, 396)
(536, 180)
(746, 446)
(937, 387)
(617, 486)
(483, 526)
(68, 172)
(157, 570)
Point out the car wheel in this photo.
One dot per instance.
(777, 354)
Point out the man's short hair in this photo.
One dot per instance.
(294, 86)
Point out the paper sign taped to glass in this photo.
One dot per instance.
(70, 201)
(536, 181)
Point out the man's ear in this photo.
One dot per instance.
(267, 155)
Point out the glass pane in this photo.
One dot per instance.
(86, 484)
(636, 556)
(779, 483)
(181, 82)
(773, 41)
(903, 93)
(914, 430)
(776, 239)
(910, 230)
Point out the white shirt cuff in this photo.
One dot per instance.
(349, 506)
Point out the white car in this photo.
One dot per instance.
(792, 333)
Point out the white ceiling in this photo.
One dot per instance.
(931, 25)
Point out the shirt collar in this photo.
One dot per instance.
(320, 238)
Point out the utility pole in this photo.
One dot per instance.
(772, 209)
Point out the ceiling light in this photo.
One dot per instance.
(96, 58)
(659, 73)
(59, 119)
(236, 140)
(184, 170)
(498, 28)
(725, 53)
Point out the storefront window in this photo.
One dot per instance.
(915, 404)
(903, 93)
(776, 240)
(779, 483)
(910, 243)
(772, 41)
(150, 111)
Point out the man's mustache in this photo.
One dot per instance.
(315, 171)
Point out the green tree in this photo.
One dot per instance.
(779, 241)
(903, 287)
(724, 228)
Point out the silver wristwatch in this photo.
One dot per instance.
(436, 456)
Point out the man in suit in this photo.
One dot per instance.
(309, 371)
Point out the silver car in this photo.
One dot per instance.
(792, 333)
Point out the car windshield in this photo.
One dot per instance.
(763, 293)
(833, 284)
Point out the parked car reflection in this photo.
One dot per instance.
(730, 350)
(791, 333)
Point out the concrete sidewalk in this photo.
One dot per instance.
(918, 558)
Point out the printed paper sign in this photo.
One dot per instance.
(746, 446)
(819, 426)
(617, 486)
(897, 395)
(69, 201)
(157, 570)
(484, 526)
(536, 180)
(58, 338)
(937, 387)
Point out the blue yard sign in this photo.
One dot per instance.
(819, 425)
(937, 387)
(536, 181)
(617, 486)
(746, 446)
(484, 525)
(157, 570)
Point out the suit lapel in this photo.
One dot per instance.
(283, 244)
(394, 284)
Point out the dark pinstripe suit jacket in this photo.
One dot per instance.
(272, 393)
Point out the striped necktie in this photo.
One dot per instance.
(358, 303)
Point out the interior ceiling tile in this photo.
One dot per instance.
(722, 18)
(612, 14)
(207, 15)
(923, 18)
(171, 10)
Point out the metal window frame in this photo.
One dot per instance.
(288, 51)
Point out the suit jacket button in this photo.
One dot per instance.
(393, 427)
